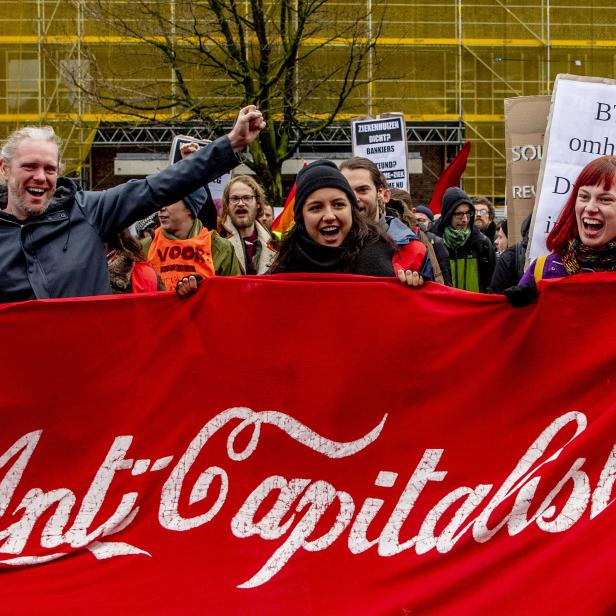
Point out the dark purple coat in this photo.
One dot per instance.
(552, 268)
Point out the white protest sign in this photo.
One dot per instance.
(383, 141)
(217, 186)
(582, 126)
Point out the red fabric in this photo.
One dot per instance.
(410, 256)
(143, 278)
(450, 177)
(460, 381)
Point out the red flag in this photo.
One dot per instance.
(285, 220)
(450, 177)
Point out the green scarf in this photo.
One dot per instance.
(455, 238)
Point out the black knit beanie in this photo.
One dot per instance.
(422, 209)
(319, 174)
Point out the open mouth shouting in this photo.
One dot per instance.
(327, 216)
(243, 217)
(595, 213)
(592, 226)
(36, 192)
(331, 234)
(595, 230)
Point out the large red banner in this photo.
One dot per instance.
(275, 445)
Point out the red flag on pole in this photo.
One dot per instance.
(450, 177)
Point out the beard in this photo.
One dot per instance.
(371, 211)
(22, 204)
(245, 222)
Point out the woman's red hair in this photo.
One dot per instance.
(600, 171)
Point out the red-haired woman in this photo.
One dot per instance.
(584, 237)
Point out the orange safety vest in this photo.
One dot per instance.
(174, 259)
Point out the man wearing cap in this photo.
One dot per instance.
(424, 217)
(182, 246)
(471, 254)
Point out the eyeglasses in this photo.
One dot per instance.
(482, 212)
(237, 199)
(466, 214)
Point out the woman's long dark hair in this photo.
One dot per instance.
(362, 233)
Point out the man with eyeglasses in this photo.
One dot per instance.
(243, 201)
(484, 217)
(471, 254)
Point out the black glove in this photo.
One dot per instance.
(519, 297)
(183, 287)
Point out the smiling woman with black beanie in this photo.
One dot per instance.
(330, 235)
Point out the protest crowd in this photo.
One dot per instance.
(58, 240)
(166, 233)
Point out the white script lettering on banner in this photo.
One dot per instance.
(297, 505)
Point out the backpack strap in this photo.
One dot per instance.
(539, 265)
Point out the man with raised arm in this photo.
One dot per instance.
(51, 231)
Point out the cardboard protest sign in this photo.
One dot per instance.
(526, 118)
(383, 141)
(582, 126)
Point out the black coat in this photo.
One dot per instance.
(510, 265)
(306, 256)
(477, 246)
(509, 268)
(442, 256)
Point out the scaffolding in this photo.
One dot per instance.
(446, 65)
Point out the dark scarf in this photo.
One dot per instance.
(580, 257)
(308, 256)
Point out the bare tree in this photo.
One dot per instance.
(300, 61)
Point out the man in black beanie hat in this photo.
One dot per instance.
(471, 254)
